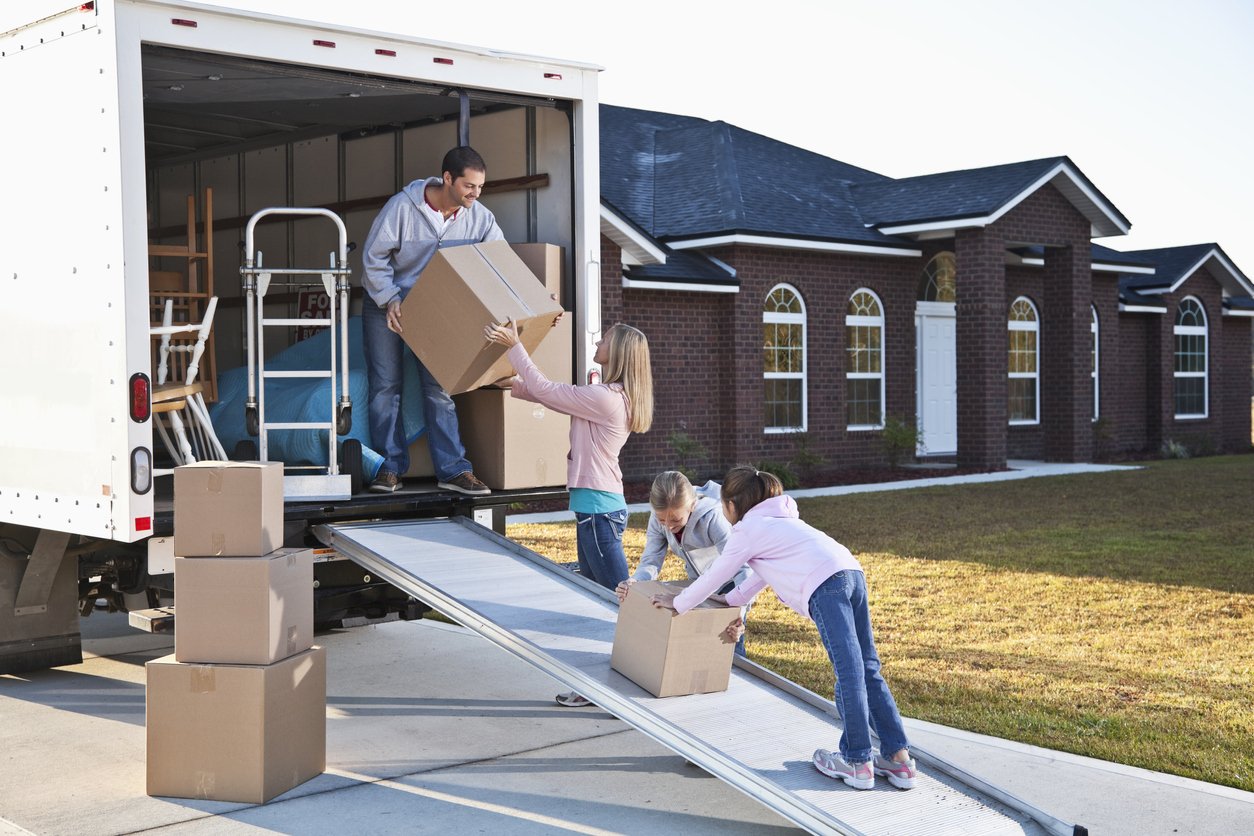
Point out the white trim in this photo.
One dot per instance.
(1102, 266)
(1095, 374)
(1123, 268)
(1203, 331)
(1061, 168)
(789, 318)
(1229, 312)
(642, 284)
(790, 244)
(1140, 309)
(618, 230)
(1033, 326)
(863, 321)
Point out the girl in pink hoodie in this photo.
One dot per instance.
(818, 578)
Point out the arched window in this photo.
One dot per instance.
(938, 282)
(1190, 366)
(784, 363)
(1096, 372)
(864, 361)
(1025, 381)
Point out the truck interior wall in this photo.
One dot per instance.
(331, 169)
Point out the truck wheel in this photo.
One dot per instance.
(245, 451)
(351, 463)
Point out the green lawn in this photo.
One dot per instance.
(1107, 614)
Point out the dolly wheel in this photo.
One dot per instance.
(345, 423)
(251, 424)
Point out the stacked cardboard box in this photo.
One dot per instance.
(238, 711)
(511, 444)
(670, 655)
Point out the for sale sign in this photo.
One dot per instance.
(312, 304)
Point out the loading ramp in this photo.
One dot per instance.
(757, 735)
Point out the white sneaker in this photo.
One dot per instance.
(857, 775)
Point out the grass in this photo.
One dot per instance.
(1109, 614)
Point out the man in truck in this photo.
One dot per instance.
(423, 217)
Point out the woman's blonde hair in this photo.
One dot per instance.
(671, 489)
(745, 486)
(629, 365)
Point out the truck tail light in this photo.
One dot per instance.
(594, 376)
(141, 398)
(141, 470)
(182, 21)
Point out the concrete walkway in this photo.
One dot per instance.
(432, 729)
(1018, 469)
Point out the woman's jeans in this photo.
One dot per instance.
(385, 370)
(599, 545)
(839, 609)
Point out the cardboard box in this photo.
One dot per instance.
(546, 262)
(461, 290)
(243, 733)
(420, 464)
(228, 509)
(513, 443)
(243, 611)
(671, 655)
(555, 356)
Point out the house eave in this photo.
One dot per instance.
(686, 287)
(636, 246)
(808, 245)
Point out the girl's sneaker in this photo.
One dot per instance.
(857, 775)
(900, 775)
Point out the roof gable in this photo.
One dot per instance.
(1175, 265)
(979, 196)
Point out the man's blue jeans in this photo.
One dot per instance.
(599, 546)
(385, 369)
(839, 609)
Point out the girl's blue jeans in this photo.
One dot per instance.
(599, 546)
(839, 609)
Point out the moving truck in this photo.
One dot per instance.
(122, 117)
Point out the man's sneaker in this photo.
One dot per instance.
(900, 775)
(573, 699)
(385, 482)
(466, 483)
(859, 775)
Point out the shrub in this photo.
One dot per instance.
(900, 439)
(780, 471)
(1174, 450)
(687, 451)
(804, 458)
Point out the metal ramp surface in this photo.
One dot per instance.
(758, 735)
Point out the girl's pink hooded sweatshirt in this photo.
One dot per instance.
(793, 558)
(598, 422)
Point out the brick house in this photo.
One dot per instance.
(794, 303)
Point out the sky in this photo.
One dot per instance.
(1152, 99)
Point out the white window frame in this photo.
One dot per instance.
(1203, 331)
(769, 317)
(855, 321)
(1096, 374)
(1035, 327)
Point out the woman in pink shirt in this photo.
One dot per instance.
(818, 578)
(602, 416)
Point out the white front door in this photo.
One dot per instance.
(937, 378)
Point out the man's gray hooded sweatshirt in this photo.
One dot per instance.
(403, 239)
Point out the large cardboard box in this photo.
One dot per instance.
(420, 463)
(243, 610)
(461, 290)
(671, 655)
(545, 261)
(228, 509)
(243, 733)
(555, 356)
(513, 443)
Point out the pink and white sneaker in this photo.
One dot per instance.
(900, 775)
(857, 775)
